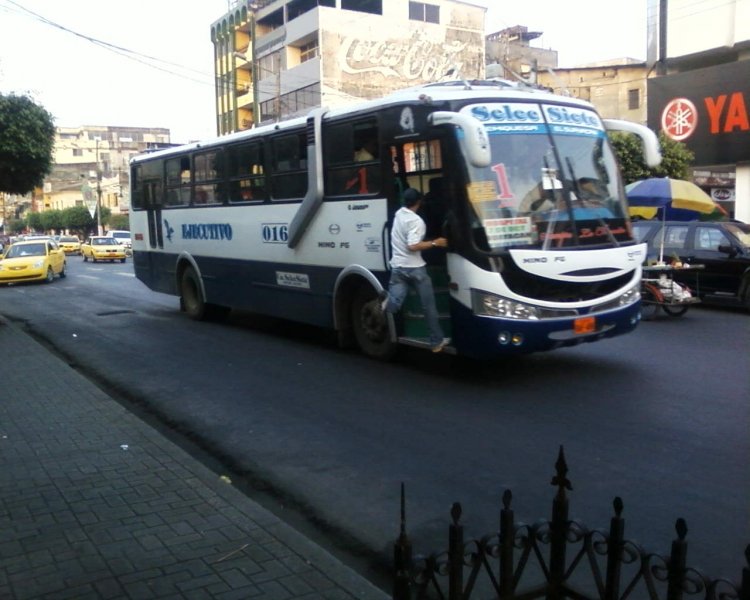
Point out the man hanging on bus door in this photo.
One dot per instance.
(408, 268)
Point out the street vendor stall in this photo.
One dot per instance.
(660, 290)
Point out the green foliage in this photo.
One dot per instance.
(120, 222)
(34, 221)
(106, 215)
(676, 158)
(52, 220)
(15, 226)
(77, 220)
(27, 138)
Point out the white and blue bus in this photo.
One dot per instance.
(293, 219)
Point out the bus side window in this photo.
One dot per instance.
(247, 182)
(209, 176)
(178, 181)
(352, 158)
(289, 175)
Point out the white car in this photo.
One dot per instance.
(122, 237)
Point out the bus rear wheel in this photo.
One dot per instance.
(193, 303)
(370, 325)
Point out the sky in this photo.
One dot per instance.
(150, 63)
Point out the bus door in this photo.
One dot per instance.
(153, 198)
(419, 164)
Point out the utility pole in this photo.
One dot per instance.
(98, 191)
(278, 89)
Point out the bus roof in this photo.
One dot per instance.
(489, 89)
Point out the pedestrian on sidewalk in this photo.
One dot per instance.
(408, 267)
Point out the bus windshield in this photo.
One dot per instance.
(552, 182)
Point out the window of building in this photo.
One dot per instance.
(308, 51)
(289, 157)
(421, 11)
(77, 152)
(269, 65)
(374, 7)
(634, 99)
(300, 100)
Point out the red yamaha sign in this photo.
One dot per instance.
(707, 109)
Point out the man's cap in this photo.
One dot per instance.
(411, 196)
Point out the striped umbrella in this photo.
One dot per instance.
(673, 199)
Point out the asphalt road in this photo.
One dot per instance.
(659, 417)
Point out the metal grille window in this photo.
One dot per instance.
(634, 99)
(308, 51)
(421, 11)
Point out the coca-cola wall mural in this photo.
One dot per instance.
(371, 62)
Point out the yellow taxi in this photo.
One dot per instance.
(99, 247)
(34, 260)
(70, 244)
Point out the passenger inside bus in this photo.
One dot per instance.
(434, 207)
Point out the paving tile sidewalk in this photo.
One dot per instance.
(95, 503)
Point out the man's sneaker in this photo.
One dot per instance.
(441, 345)
(383, 300)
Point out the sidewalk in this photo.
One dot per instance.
(94, 503)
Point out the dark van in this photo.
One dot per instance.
(722, 246)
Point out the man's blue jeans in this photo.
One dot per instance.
(404, 277)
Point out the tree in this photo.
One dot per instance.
(106, 215)
(34, 221)
(78, 220)
(27, 139)
(676, 158)
(119, 222)
(52, 219)
(15, 226)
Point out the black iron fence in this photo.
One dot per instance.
(561, 557)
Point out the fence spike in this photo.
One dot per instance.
(403, 508)
(618, 506)
(681, 528)
(402, 562)
(560, 480)
(456, 511)
(507, 497)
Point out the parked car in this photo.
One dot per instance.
(100, 247)
(34, 260)
(723, 247)
(70, 244)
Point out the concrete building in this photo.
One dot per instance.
(280, 58)
(510, 55)
(88, 158)
(616, 87)
(702, 96)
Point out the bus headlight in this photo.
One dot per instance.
(630, 296)
(490, 305)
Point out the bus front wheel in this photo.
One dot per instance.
(370, 325)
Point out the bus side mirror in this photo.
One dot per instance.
(651, 149)
(473, 135)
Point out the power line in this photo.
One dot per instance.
(120, 50)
